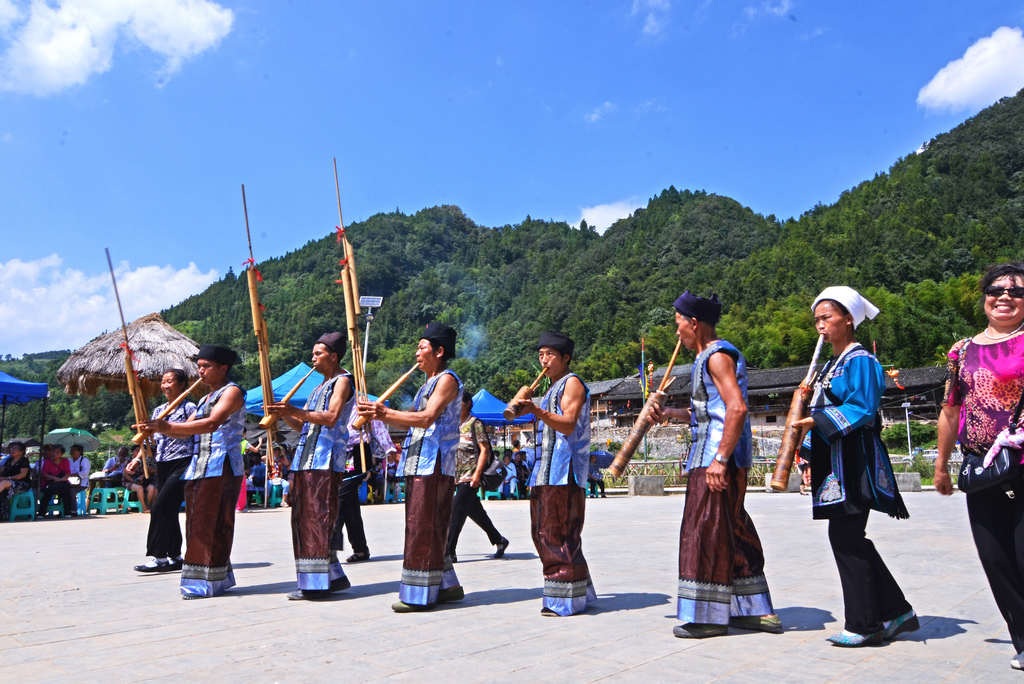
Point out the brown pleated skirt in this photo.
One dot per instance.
(556, 523)
(209, 533)
(428, 512)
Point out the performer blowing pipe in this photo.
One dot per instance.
(721, 563)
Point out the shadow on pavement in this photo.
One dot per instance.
(257, 589)
(507, 556)
(375, 589)
(936, 627)
(609, 603)
(500, 596)
(243, 566)
(375, 558)
(804, 619)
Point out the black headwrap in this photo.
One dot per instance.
(334, 341)
(704, 310)
(556, 341)
(221, 355)
(440, 335)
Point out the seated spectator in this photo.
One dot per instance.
(258, 474)
(53, 481)
(80, 467)
(595, 478)
(133, 479)
(281, 472)
(114, 466)
(15, 477)
(508, 487)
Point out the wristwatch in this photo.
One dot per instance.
(718, 457)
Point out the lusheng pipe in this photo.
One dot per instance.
(271, 418)
(361, 421)
(791, 438)
(143, 435)
(514, 410)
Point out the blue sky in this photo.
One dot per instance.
(132, 125)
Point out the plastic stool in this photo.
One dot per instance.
(275, 498)
(53, 501)
(129, 503)
(104, 499)
(23, 505)
(83, 503)
(489, 495)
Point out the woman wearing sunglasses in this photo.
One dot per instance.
(986, 377)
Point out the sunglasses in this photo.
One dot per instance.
(995, 291)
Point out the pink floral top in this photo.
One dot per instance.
(986, 381)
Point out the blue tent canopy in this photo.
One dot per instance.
(15, 391)
(282, 385)
(488, 409)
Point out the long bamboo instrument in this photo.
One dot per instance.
(798, 409)
(350, 288)
(259, 326)
(643, 423)
(513, 410)
(271, 418)
(143, 435)
(360, 421)
(138, 401)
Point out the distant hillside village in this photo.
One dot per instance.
(616, 403)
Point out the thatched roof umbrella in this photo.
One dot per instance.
(156, 346)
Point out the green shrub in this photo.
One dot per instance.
(895, 436)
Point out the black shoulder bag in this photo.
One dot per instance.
(1004, 471)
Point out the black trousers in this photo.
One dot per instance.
(350, 516)
(164, 540)
(467, 505)
(997, 523)
(63, 492)
(870, 593)
(595, 485)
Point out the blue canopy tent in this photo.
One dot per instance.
(15, 391)
(282, 385)
(488, 409)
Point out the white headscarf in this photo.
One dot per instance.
(858, 307)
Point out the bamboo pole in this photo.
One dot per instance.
(138, 402)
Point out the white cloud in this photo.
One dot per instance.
(780, 9)
(657, 14)
(602, 216)
(649, 106)
(54, 46)
(598, 114)
(990, 69)
(8, 13)
(45, 306)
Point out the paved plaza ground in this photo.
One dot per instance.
(72, 609)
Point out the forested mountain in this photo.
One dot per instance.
(913, 240)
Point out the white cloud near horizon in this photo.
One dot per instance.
(656, 14)
(990, 69)
(602, 216)
(598, 113)
(45, 306)
(49, 47)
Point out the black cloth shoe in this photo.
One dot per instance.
(502, 545)
(306, 595)
(157, 566)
